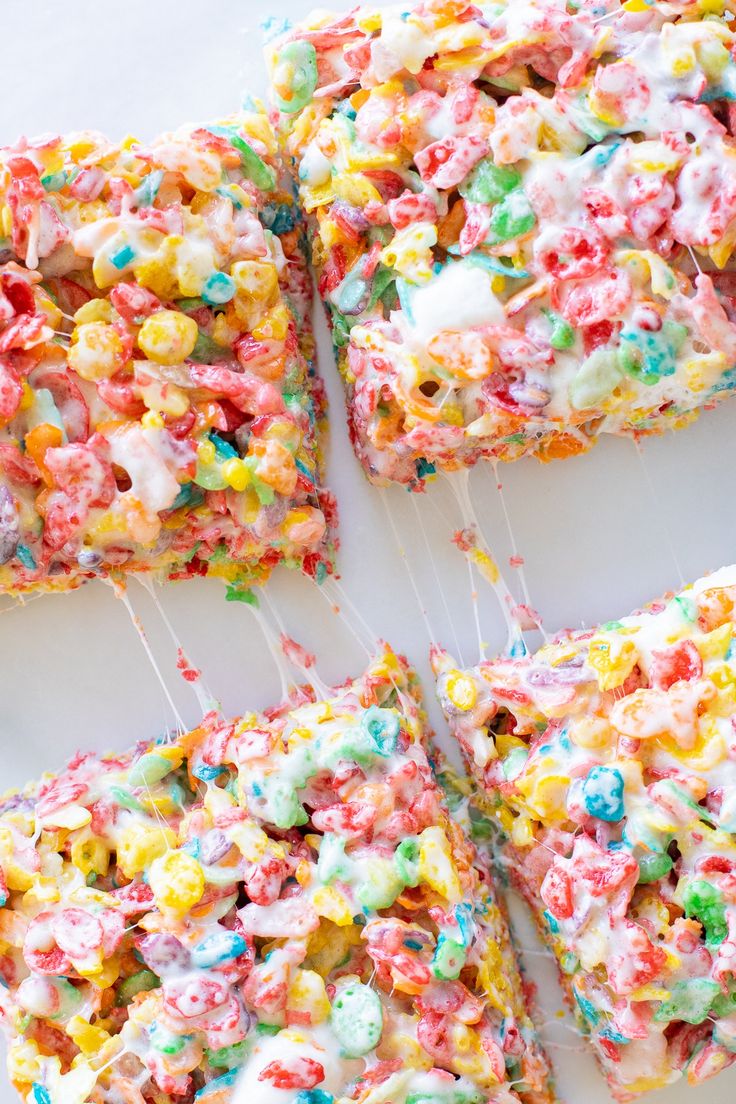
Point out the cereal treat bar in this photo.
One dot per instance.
(158, 406)
(282, 901)
(522, 214)
(608, 762)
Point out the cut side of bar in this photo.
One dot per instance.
(607, 763)
(522, 219)
(284, 897)
(159, 406)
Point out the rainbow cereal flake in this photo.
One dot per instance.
(157, 405)
(608, 762)
(523, 215)
(283, 897)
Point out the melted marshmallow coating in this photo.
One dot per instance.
(607, 761)
(158, 411)
(522, 214)
(284, 897)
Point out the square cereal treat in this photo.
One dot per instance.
(158, 404)
(608, 761)
(522, 215)
(284, 896)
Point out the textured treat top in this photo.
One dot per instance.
(509, 204)
(155, 406)
(609, 761)
(284, 896)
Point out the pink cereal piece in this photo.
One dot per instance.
(77, 932)
(446, 163)
(292, 916)
(409, 208)
(88, 184)
(351, 820)
(194, 996)
(135, 898)
(112, 922)
(40, 948)
(604, 296)
(297, 1073)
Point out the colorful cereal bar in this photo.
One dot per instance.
(283, 897)
(608, 762)
(157, 404)
(522, 214)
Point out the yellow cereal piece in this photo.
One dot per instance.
(333, 905)
(307, 996)
(485, 564)
(236, 473)
(274, 325)
(410, 251)
(469, 1058)
(29, 396)
(251, 841)
(436, 864)
(177, 881)
(44, 891)
(96, 310)
(96, 351)
(164, 397)
(650, 993)
(206, 452)
(683, 62)
(461, 690)
(54, 316)
(591, 732)
(139, 844)
(70, 817)
(168, 337)
(319, 196)
(158, 276)
(506, 743)
(612, 659)
(545, 790)
(106, 974)
(152, 420)
(643, 265)
(355, 189)
(388, 665)
(713, 57)
(555, 654)
(708, 750)
(715, 644)
(90, 855)
(257, 280)
(724, 678)
(87, 1037)
(24, 1061)
(298, 736)
(303, 872)
(15, 875)
(654, 156)
(721, 252)
(704, 370)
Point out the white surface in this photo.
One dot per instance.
(596, 537)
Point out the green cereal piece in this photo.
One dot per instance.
(357, 1019)
(489, 183)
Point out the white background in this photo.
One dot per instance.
(600, 534)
